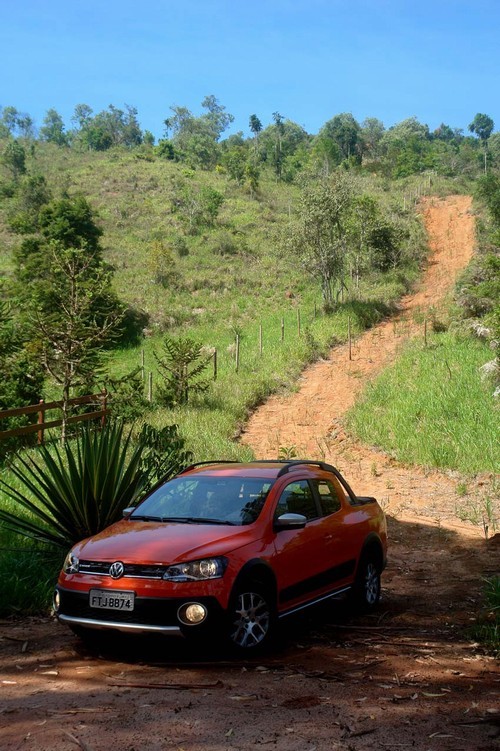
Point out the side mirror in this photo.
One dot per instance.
(127, 511)
(290, 521)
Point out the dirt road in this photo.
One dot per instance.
(406, 678)
(311, 419)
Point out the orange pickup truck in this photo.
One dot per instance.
(227, 549)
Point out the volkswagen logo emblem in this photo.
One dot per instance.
(117, 569)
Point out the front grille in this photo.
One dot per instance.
(153, 611)
(137, 571)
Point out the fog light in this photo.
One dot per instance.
(56, 601)
(192, 614)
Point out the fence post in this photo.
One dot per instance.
(282, 329)
(215, 363)
(40, 422)
(150, 387)
(104, 406)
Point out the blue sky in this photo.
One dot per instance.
(307, 59)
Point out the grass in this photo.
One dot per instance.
(27, 578)
(211, 422)
(487, 631)
(431, 407)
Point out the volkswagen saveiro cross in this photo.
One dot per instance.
(227, 549)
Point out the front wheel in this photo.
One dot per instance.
(252, 619)
(365, 594)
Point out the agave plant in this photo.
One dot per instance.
(75, 490)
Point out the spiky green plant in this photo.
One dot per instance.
(75, 490)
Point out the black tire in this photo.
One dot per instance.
(365, 594)
(251, 618)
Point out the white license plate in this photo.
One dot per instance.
(110, 599)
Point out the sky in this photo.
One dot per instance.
(306, 59)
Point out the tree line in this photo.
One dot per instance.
(404, 149)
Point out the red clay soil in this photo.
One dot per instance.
(408, 677)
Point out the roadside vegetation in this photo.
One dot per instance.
(487, 629)
(432, 408)
(193, 277)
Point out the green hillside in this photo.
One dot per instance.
(216, 240)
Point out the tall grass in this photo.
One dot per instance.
(27, 578)
(432, 408)
(487, 630)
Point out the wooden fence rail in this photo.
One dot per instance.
(42, 407)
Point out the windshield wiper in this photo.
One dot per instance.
(194, 520)
(140, 518)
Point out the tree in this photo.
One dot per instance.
(17, 123)
(111, 127)
(9, 119)
(363, 221)
(319, 235)
(14, 159)
(256, 127)
(82, 115)
(446, 133)
(69, 299)
(252, 176)
(216, 117)
(198, 206)
(32, 193)
(196, 138)
(326, 153)
(407, 148)
(277, 155)
(22, 376)
(482, 126)
(234, 160)
(181, 365)
(53, 129)
(345, 131)
(372, 131)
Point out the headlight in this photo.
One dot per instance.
(208, 568)
(71, 564)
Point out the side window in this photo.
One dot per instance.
(328, 496)
(297, 498)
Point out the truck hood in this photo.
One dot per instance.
(162, 542)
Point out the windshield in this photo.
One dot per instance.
(201, 499)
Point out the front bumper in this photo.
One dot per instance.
(127, 628)
(151, 615)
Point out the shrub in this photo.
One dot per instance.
(75, 490)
